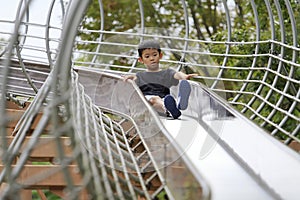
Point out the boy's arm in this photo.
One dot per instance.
(183, 76)
(129, 77)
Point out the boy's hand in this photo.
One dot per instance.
(129, 77)
(188, 76)
(183, 76)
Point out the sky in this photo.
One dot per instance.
(39, 10)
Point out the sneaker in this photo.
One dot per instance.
(183, 94)
(168, 113)
(170, 105)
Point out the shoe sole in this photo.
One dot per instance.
(170, 105)
(184, 94)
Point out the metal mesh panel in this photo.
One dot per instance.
(255, 70)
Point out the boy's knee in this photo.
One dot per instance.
(154, 100)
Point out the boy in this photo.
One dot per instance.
(155, 83)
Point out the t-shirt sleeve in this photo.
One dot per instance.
(171, 73)
(137, 80)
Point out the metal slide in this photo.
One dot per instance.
(237, 159)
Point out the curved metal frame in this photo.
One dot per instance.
(56, 89)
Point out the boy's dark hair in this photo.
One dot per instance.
(148, 44)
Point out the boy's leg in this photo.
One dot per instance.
(158, 104)
(170, 105)
(183, 94)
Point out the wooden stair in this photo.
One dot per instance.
(42, 170)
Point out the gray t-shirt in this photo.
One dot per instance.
(156, 83)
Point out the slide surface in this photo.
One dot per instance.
(226, 178)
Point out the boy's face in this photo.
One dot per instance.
(150, 58)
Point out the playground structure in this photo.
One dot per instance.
(93, 136)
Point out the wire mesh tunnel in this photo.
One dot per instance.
(246, 53)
